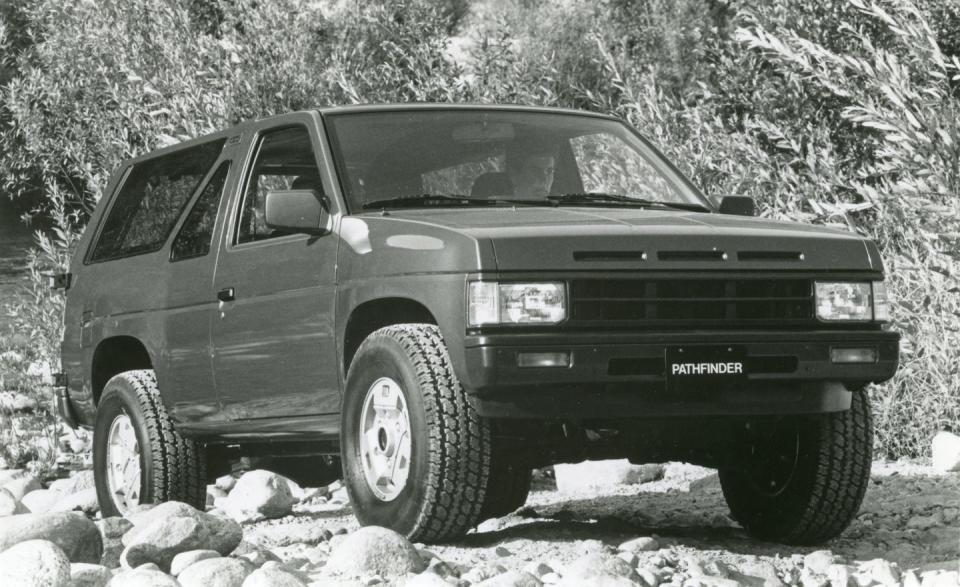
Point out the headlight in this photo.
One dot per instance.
(844, 301)
(516, 303)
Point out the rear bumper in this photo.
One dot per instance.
(616, 375)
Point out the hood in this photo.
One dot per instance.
(590, 238)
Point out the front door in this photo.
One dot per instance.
(273, 336)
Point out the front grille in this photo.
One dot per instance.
(693, 302)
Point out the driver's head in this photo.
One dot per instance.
(531, 168)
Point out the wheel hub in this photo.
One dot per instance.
(385, 439)
(124, 475)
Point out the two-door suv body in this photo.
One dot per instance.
(441, 298)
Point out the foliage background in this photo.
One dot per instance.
(841, 112)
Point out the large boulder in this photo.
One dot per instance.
(373, 550)
(39, 563)
(84, 501)
(41, 501)
(77, 536)
(158, 537)
(579, 476)
(10, 505)
(946, 452)
(599, 568)
(259, 495)
(185, 559)
(22, 485)
(143, 578)
(273, 577)
(78, 481)
(111, 533)
(87, 575)
(216, 572)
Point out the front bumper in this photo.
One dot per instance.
(615, 375)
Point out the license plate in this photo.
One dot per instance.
(700, 369)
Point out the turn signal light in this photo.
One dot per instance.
(853, 355)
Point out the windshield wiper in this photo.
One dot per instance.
(603, 198)
(448, 199)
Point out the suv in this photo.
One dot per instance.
(436, 299)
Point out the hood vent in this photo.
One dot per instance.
(609, 256)
(692, 255)
(769, 256)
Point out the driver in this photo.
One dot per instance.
(531, 168)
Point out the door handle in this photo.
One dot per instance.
(226, 294)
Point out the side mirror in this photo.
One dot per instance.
(297, 211)
(738, 205)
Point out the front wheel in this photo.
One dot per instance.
(806, 477)
(138, 456)
(416, 456)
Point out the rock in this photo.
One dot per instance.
(502, 551)
(225, 483)
(810, 579)
(373, 550)
(78, 481)
(259, 495)
(40, 501)
(537, 569)
(649, 576)
(213, 494)
(482, 572)
(578, 476)
(111, 533)
(8, 475)
(632, 559)
(910, 579)
(704, 484)
(426, 580)
(9, 504)
(87, 575)
(926, 522)
(273, 577)
(39, 563)
(757, 572)
(598, 567)
(144, 516)
(881, 571)
(511, 579)
(641, 544)
(185, 559)
(818, 562)
(143, 578)
(158, 539)
(946, 452)
(216, 572)
(23, 485)
(77, 536)
(84, 501)
(259, 556)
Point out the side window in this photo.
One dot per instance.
(151, 200)
(608, 165)
(284, 161)
(193, 240)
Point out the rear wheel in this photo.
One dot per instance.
(416, 456)
(805, 478)
(138, 456)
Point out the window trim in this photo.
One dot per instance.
(181, 222)
(115, 197)
(232, 240)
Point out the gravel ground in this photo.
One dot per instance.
(911, 517)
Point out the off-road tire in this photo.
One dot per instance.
(450, 442)
(507, 489)
(826, 487)
(173, 468)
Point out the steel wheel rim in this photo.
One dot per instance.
(385, 439)
(124, 475)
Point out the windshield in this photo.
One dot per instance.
(471, 157)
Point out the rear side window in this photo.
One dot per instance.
(193, 240)
(150, 201)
